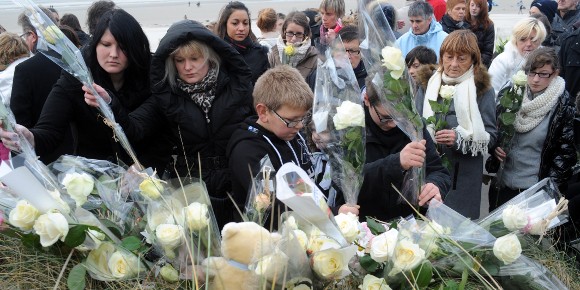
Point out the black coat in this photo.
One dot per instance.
(559, 152)
(31, 85)
(570, 63)
(256, 57)
(186, 123)
(562, 27)
(485, 42)
(377, 198)
(449, 25)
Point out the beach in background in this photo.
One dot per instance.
(156, 16)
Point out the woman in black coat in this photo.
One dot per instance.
(118, 58)
(202, 90)
(454, 18)
(235, 27)
(482, 26)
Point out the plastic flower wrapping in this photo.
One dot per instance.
(262, 193)
(386, 67)
(58, 48)
(339, 119)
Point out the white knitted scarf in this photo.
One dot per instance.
(301, 49)
(471, 132)
(533, 111)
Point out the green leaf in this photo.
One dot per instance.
(76, 277)
(76, 236)
(112, 227)
(31, 241)
(369, 264)
(435, 106)
(131, 243)
(375, 227)
(451, 285)
(506, 101)
(423, 274)
(507, 118)
(464, 277)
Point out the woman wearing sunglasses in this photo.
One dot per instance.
(543, 131)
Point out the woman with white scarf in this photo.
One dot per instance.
(471, 126)
(294, 47)
(543, 132)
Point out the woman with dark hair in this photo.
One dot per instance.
(295, 33)
(202, 89)
(543, 143)
(72, 21)
(118, 58)
(234, 26)
(478, 17)
(471, 126)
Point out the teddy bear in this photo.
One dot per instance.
(242, 243)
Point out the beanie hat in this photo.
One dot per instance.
(547, 7)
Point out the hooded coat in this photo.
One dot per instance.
(432, 39)
(466, 170)
(186, 124)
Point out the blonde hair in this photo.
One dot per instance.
(190, 48)
(523, 29)
(333, 5)
(283, 85)
(12, 47)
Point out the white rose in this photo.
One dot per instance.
(328, 264)
(320, 243)
(291, 223)
(407, 256)
(371, 282)
(447, 92)
(262, 201)
(56, 195)
(507, 248)
(151, 188)
(349, 114)
(23, 215)
(51, 227)
(78, 186)
(348, 225)
(196, 216)
(302, 238)
(514, 218)
(383, 245)
(169, 273)
(272, 266)
(393, 59)
(520, 78)
(169, 237)
(299, 283)
(123, 266)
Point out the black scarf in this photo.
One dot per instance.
(361, 74)
(203, 92)
(241, 46)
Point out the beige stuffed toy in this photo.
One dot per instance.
(242, 244)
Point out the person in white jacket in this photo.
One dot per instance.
(13, 50)
(527, 35)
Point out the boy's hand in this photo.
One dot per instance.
(413, 155)
(428, 192)
(345, 208)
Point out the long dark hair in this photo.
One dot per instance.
(131, 39)
(481, 19)
(225, 13)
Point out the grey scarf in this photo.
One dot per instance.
(203, 92)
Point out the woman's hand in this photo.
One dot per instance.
(428, 192)
(345, 208)
(11, 140)
(499, 154)
(91, 99)
(446, 137)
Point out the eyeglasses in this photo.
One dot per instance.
(541, 75)
(292, 124)
(353, 52)
(382, 119)
(292, 34)
(25, 34)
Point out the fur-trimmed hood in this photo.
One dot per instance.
(482, 78)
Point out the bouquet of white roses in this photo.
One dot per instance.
(262, 193)
(339, 117)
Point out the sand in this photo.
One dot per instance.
(156, 17)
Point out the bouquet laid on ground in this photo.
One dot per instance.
(58, 48)
(262, 193)
(339, 118)
(391, 82)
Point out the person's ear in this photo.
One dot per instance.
(34, 36)
(262, 111)
(366, 99)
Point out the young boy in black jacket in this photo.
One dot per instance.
(282, 100)
(389, 155)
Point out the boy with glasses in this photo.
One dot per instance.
(283, 101)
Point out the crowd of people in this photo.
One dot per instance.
(220, 100)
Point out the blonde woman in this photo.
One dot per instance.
(13, 50)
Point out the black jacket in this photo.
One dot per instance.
(569, 63)
(256, 57)
(31, 85)
(562, 27)
(250, 143)
(559, 152)
(377, 198)
(485, 41)
(184, 123)
(449, 25)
